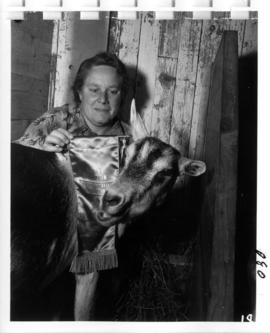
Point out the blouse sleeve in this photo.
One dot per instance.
(37, 131)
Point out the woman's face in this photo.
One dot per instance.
(100, 96)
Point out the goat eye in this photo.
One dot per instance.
(161, 176)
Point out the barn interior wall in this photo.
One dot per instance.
(169, 75)
(31, 41)
(170, 64)
(45, 58)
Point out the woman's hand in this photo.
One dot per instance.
(57, 140)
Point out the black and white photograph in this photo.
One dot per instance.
(133, 168)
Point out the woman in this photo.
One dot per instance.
(99, 90)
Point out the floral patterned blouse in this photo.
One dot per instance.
(67, 117)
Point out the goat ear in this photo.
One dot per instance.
(191, 167)
(138, 129)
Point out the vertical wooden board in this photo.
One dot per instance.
(147, 63)
(210, 41)
(221, 305)
(30, 55)
(250, 37)
(33, 24)
(222, 263)
(239, 26)
(128, 50)
(29, 97)
(129, 43)
(53, 64)
(165, 79)
(65, 41)
(163, 102)
(189, 34)
(115, 29)
(211, 158)
(229, 117)
(212, 135)
(30, 66)
(169, 38)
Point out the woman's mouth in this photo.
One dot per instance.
(102, 110)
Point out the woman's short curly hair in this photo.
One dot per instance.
(103, 58)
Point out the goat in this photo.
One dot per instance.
(44, 219)
(150, 170)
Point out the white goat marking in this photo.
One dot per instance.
(161, 164)
(144, 151)
(131, 150)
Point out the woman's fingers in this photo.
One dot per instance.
(57, 140)
(68, 135)
(54, 139)
(52, 148)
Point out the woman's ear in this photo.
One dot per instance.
(138, 129)
(191, 167)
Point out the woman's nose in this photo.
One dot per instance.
(103, 97)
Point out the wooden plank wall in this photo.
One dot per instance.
(221, 306)
(170, 65)
(30, 67)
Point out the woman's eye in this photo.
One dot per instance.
(93, 90)
(114, 91)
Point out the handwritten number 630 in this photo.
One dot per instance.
(261, 263)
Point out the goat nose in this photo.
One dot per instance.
(113, 199)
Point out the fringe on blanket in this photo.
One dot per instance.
(89, 262)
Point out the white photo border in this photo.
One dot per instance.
(263, 202)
